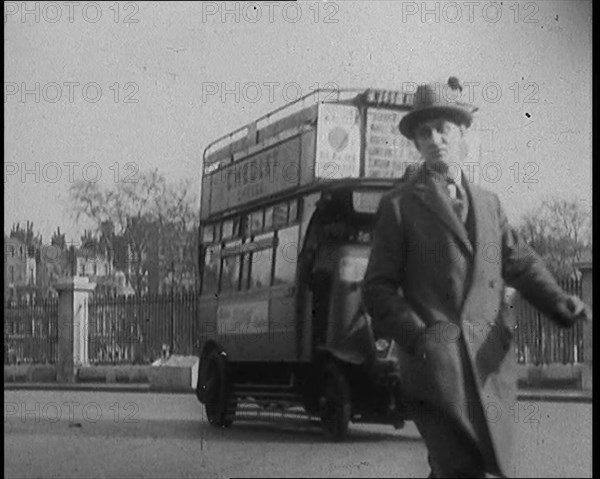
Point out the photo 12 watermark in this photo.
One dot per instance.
(494, 412)
(472, 92)
(90, 253)
(469, 12)
(69, 171)
(70, 92)
(72, 411)
(270, 12)
(71, 12)
(272, 92)
(476, 92)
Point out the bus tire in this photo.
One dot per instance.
(218, 396)
(335, 402)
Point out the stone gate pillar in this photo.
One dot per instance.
(73, 326)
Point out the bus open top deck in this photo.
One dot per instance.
(327, 135)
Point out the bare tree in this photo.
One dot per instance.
(136, 221)
(559, 230)
(178, 220)
(58, 239)
(26, 235)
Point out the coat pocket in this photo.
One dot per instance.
(433, 370)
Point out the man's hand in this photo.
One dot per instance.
(572, 309)
(580, 310)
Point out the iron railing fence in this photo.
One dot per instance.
(31, 331)
(540, 341)
(136, 330)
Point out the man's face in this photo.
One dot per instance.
(439, 141)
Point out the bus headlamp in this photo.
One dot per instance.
(353, 269)
(382, 345)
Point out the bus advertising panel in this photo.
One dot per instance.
(338, 141)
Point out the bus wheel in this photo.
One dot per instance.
(218, 391)
(334, 403)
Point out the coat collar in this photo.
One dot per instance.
(428, 188)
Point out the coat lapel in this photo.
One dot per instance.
(478, 207)
(430, 193)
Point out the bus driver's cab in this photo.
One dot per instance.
(334, 259)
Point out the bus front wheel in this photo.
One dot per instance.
(218, 391)
(334, 403)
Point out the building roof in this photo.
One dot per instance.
(585, 261)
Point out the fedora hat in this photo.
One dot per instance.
(433, 100)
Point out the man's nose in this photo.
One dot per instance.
(436, 137)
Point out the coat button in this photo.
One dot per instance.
(492, 283)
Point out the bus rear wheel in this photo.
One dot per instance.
(334, 403)
(218, 391)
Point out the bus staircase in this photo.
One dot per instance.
(267, 401)
(275, 402)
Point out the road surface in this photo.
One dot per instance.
(117, 434)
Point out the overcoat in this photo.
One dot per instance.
(435, 286)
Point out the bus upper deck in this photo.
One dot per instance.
(327, 135)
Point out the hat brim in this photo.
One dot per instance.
(456, 114)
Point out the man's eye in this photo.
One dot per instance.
(445, 127)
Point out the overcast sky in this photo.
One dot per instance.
(142, 72)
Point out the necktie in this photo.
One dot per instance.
(458, 199)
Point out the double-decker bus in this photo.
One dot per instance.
(287, 209)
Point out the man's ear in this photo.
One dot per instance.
(464, 144)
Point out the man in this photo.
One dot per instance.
(442, 253)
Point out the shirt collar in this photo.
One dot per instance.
(450, 175)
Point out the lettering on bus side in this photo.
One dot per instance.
(247, 318)
(249, 191)
(254, 171)
(265, 173)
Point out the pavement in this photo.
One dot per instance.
(88, 386)
(555, 395)
(72, 433)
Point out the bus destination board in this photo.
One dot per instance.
(387, 153)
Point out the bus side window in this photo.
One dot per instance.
(237, 227)
(230, 267)
(245, 272)
(269, 218)
(257, 223)
(210, 277)
(260, 269)
(286, 255)
(227, 230)
(246, 222)
(261, 261)
(208, 234)
(280, 215)
(230, 273)
(293, 211)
